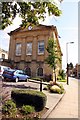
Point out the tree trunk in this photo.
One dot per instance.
(54, 75)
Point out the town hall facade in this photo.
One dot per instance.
(27, 49)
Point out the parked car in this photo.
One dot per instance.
(16, 75)
(2, 68)
(72, 75)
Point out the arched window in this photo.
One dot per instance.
(40, 72)
(28, 71)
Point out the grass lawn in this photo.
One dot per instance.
(63, 80)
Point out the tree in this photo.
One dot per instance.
(30, 12)
(53, 57)
(70, 66)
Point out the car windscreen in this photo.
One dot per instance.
(5, 68)
(20, 72)
(10, 70)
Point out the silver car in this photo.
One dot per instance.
(2, 68)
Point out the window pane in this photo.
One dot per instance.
(28, 71)
(40, 72)
(18, 49)
(41, 47)
(3, 56)
(29, 49)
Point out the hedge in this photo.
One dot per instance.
(29, 97)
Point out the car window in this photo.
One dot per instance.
(6, 68)
(24, 73)
(16, 72)
(21, 72)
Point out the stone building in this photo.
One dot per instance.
(3, 54)
(27, 49)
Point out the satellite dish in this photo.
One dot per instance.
(30, 27)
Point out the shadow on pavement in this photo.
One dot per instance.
(19, 86)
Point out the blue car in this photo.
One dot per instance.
(16, 75)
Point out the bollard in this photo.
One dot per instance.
(41, 85)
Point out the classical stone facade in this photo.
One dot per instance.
(27, 49)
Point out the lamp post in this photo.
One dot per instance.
(67, 60)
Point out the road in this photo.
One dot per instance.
(68, 106)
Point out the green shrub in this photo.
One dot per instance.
(27, 109)
(51, 83)
(29, 97)
(59, 78)
(62, 88)
(45, 88)
(9, 108)
(62, 74)
(47, 78)
(55, 89)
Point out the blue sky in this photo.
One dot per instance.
(67, 26)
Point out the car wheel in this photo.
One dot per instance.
(3, 78)
(26, 80)
(17, 79)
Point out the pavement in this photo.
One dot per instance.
(59, 105)
(65, 105)
(52, 102)
(0, 99)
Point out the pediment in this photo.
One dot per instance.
(30, 28)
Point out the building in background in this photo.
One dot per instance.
(27, 49)
(3, 54)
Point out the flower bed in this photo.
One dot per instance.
(54, 87)
(11, 109)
